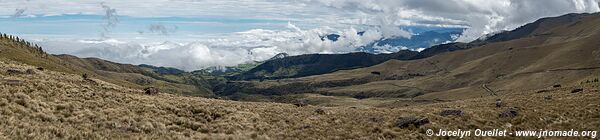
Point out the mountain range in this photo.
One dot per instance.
(560, 49)
(418, 41)
(422, 38)
(315, 64)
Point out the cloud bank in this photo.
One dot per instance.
(160, 43)
(479, 16)
(237, 48)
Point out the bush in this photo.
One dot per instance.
(151, 91)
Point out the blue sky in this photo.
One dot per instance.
(91, 24)
(194, 34)
(78, 26)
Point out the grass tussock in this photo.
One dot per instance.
(54, 105)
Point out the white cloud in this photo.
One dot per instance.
(241, 47)
(315, 18)
(481, 16)
(165, 8)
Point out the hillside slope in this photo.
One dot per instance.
(312, 64)
(12, 48)
(55, 105)
(315, 64)
(565, 52)
(539, 27)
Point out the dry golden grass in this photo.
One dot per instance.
(54, 105)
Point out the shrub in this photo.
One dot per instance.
(151, 91)
(404, 122)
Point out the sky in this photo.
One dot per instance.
(195, 34)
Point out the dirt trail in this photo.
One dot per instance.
(487, 89)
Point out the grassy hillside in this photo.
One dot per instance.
(228, 71)
(13, 48)
(57, 105)
(556, 52)
(313, 64)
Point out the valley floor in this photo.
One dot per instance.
(53, 105)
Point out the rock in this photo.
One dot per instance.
(18, 72)
(14, 72)
(320, 111)
(376, 130)
(90, 81)
(85, 76)
(498, 103)
(404, 122)
(452, 112)
(557, 86)
(509, 113)
(376, 73)
(13, 82)
(542, 91)
(577, 90)
(301, 103)
(308, 126)
(151, 91)
(30, 71)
